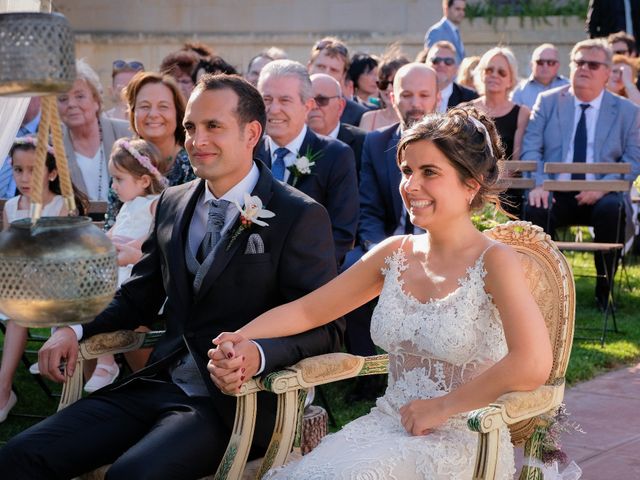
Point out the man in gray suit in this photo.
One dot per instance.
(448, 27)
(582, 122)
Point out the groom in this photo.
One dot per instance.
(169, 420)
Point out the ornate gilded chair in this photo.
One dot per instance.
(526, 413)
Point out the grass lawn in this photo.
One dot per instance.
(588, 358)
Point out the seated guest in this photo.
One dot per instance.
(386, 115)
(623, 78)
(363, 72)
(170, 420)
(466, 70)
(582, 122)
(88, 134)
(442, 58)
(496, 75)
(414, 94)
(545, 64)
(320, 167)
(331, 56)
(623, 44)
(324, 117)
(256, 64)
(181, 65)
(121, 72)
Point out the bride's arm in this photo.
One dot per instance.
(526, 365)
(356, 286)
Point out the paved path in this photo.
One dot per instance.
(608, 410)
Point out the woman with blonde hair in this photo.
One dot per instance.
(624, 74)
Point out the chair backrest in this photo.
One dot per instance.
(601, 168)
(510, 167)
(551, 283)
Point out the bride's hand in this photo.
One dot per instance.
(421, 417)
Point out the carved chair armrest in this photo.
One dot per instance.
(515, 407)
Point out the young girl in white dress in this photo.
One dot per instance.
(137, 183)
(23, 159)
(455, 316)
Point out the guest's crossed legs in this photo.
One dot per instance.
(147, 429)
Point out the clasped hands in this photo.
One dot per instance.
(234, 360)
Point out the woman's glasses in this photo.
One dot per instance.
(384, 84)
(500, 71)
(134, 66)
(323, 101)
(550, 62)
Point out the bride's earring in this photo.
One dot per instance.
(471, 199)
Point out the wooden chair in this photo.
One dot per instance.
(597, 248)
(512, 181)
(549, 278)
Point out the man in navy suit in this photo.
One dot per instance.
(168, 420)
(448, 28)
(442, 58)
(415, 93)
(331, 56)
(331, 181)
(582, 122)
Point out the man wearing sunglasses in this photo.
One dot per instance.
(331, 56)
(442, 58)
(331, 180)
(121, 72)
(448, 28)
(544, 76)
(583, 122)
(324, 117)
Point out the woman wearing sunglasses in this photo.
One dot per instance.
(122, 72)
(391, 61)
(495, 77)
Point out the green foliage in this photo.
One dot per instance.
(488, 217)
(535, 10)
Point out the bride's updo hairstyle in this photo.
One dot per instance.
(470, 142)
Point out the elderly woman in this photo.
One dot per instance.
(624, 75)
(495, 76)
(88, 134)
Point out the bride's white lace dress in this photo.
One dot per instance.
(433, 348)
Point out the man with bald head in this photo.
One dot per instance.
(545, 64)
(415, 94)
(324, 117)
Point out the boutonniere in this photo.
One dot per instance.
(302, 165)
(251, 213)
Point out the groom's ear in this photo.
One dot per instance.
(252, 133)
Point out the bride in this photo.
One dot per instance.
(455, 316)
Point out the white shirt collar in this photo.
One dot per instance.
(595, 103)
(334, 133)
(236, 193)
(445, 94)
(293, 147)
(451, 24)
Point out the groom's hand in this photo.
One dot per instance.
(61, 347)
(230, 365)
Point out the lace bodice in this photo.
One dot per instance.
(435, 346)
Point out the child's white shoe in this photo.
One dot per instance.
(4, 411)
(96, 382)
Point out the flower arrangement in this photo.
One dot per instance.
(302, 165)
(251, 213)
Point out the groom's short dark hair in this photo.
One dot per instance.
(250, 104)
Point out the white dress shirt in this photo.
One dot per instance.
(445, 94)
(591, 117)
(294, 151)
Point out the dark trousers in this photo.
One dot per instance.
(606, 216)
(147, 429)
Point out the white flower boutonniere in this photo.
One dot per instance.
(250, 214)
(302, 165)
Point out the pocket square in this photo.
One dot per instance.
(254, 245)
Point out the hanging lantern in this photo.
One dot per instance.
(37, 54)
(55, 270)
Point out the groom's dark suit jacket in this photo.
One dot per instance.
(298, 258)
(332, 183)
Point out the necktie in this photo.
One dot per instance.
(278, 164)
(580, 142)
(217, 211)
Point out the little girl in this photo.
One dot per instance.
(23, 159)
(137, 182)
